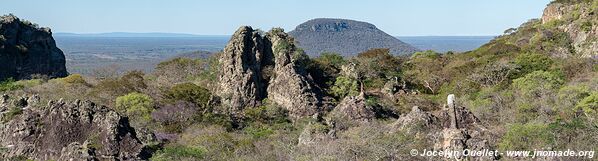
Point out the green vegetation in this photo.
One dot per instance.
(589, 105)
(528, 88)
(532, 62)
(538, 83)
(136, 105)
(12, 112)
(179, 153)
(74, 79)
(9, 85)
(529, 136)
(189, 92)
(345, 86)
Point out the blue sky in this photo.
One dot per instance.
(222, 17)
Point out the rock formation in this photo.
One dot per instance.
(346, 37)
(355, 108)
(240, 82)
(68, 131)
(254, 67)
(27, 50)
(453, 128)
(580, 23)
(290, 86)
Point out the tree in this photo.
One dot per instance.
(189, 92)
(137, 106)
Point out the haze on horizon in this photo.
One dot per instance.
(398, 18)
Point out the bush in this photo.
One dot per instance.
(74, 79)
(345, 86)
(528, 136)
(589, 105)
(267, 114)
(325, 68)
(538, 83)
(179, 152)
(530, 62)
(189, 92)
(376, 63)
(111, 88)
(179, 70)
(9, 85)
(136, 105)
(175, 117)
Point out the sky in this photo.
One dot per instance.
(223, 17)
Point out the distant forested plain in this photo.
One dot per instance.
(92, 54)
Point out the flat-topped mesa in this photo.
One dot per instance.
(254, 67)
(27, 50)
(240, 83)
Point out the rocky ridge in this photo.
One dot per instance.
(583, 30)
(27, 50)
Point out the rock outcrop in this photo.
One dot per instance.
(579, 20)
(254, 67)
(290, 86)
(240, 82)
(346, 37)
(27, 50)
(68, 131)
(453, 128)
(355, 108)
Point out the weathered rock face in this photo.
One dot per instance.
(355, 108)
(255, 67)
(69, 131)
(581, 25)
(240, 83)
(27, 50)
(290, 86)
(453, 128)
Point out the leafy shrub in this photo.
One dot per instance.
(528, 136)
(530, 62)
(538, 83)
(74, 79)
(29, 83)
(111, 88)
(586, 26)
(179, 152)
(9, 85)
(136, 105)
(189, 92)
(345, 86)
(179, 69)
(267, 114)
(325, 68)
(376, 63)
(589, 105)
(568, 97)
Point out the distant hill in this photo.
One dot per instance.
(131, 34)
(346, 37)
